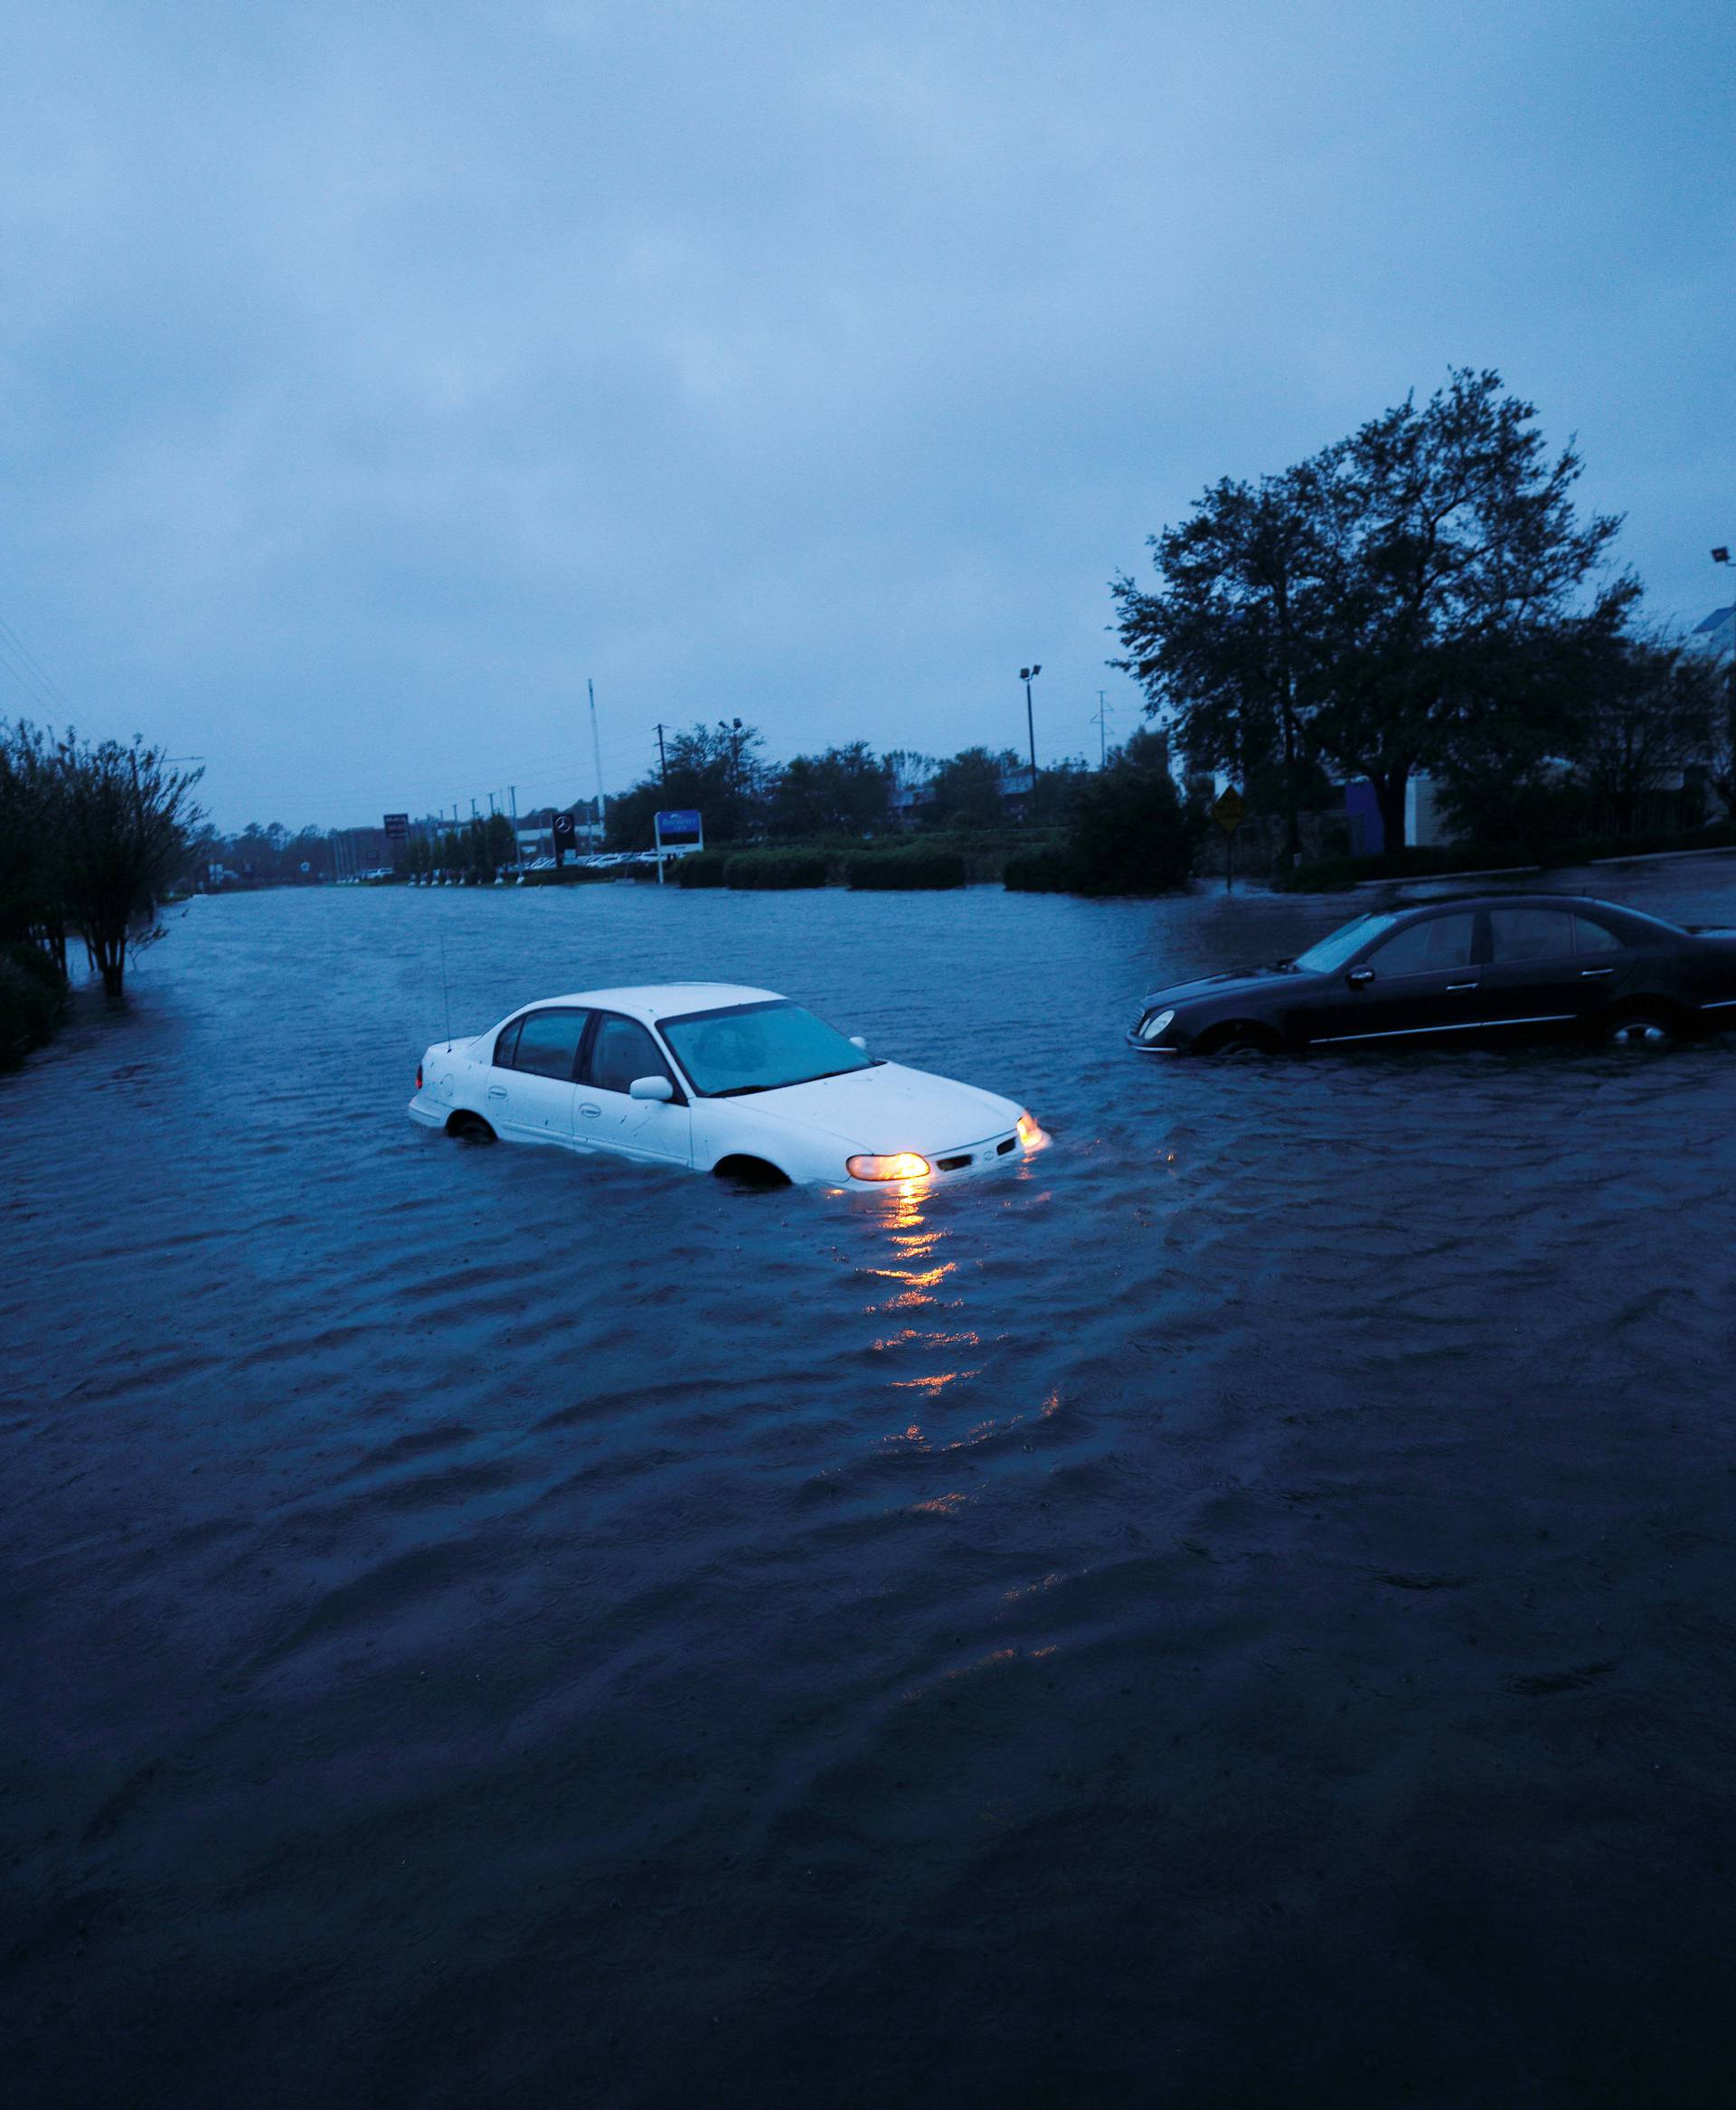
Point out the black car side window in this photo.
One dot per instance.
(1594, 937)
(1516, 935)
(548, 1043)
(505, 1041)
(1434, 945)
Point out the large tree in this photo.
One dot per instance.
(1378, 605)
(965, 790)
(1225, 645)
(714, 769)
(845, 791)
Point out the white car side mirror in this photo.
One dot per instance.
(651, 1088)
(859, 1040)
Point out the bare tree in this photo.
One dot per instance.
(125, 817)
(1653, 712)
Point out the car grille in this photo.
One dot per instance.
(951, 1164)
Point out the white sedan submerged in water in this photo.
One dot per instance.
(718, 1078)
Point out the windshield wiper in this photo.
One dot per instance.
(736, 1091)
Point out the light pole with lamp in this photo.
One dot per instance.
(1028, 674)
(1721, 556)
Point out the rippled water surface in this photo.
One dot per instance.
(1239, 1610)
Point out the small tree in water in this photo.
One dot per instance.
(124, 819)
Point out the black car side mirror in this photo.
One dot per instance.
(1360, 977)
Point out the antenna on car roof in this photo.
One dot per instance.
(446, 993)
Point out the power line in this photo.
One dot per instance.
(9, 636)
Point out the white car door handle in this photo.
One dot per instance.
(1591, 973)
(496, 1091)
(585, 1109)
(1454, 987)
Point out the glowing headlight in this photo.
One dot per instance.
(1029, 1135)
(1155, 1024)
(902, 1165)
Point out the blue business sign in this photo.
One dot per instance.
(671, 826)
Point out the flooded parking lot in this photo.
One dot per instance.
(1240, 1609)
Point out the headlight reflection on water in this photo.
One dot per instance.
(913, 1267)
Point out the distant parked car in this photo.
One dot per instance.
(715, 1077)
(1492, 967)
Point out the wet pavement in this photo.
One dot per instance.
(1238, 1610)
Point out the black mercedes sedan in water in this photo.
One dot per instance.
(1489, 966)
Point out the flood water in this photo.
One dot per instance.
(1239, 1610)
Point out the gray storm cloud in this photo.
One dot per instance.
(372, 376)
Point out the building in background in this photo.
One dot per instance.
(1716, 635)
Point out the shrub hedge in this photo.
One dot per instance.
(774, 869)
(908, 868)
(702, 868)
(33, 1001)
(1041, 872)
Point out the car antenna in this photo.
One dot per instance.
(446, 993)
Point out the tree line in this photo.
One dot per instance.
(481, 848)
(720, 770)
(1422, 596)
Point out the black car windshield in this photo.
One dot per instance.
(758, 1047)
(1333, 951)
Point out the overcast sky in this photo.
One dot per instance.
(371, 375)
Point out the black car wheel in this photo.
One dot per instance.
(1243, 1045)
(1645, 1026)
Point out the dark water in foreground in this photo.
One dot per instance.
(1242, 1611)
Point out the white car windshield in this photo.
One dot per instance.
(758, 1047)
(1333, 951)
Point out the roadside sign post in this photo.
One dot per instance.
(397, 837)
(683, 827)
(1227, 810)
(564, 837)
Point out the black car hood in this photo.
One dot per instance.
(1229, 984)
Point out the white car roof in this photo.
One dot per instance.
(660, 1000)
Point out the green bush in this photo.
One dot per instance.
(774, 869)
(702, 868)
(1129, 832)
(33, 999)
(1041, 872)
(908, 868)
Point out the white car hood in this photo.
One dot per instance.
(887, 1108)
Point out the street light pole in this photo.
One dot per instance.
(1028, 674)
(1722, 556)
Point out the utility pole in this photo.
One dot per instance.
(595, 759)
(518, 852)
(1103, 730)
(663, 758)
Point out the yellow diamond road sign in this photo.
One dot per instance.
(1228, 810)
